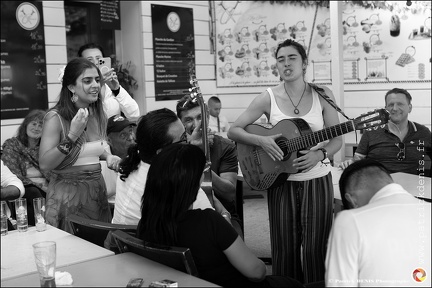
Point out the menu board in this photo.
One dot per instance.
(23, 67)
(110, 15)
(379, 45)
(173, 51)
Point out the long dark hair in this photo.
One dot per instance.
(66, 108)
(34, 115)
(151, 135)
(172, 185)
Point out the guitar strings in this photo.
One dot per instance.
(298, 143)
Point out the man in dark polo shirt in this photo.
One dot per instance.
(402, 145)
(223, 156)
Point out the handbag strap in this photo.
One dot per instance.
(322, 93)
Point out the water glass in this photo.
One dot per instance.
(39, 213)
(4, 223)
(45, 258)
(21, 214)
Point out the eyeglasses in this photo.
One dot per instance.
(183, 139)
(401, 155)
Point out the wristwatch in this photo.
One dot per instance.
(324, 152)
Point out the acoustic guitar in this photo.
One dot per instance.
(261, 172)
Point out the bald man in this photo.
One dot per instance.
(383, 238)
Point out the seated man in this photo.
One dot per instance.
(11, 188)
(155, 130)
(217, 123)
(402, 146)
(384, 238)
(223, 156)
(120, 134)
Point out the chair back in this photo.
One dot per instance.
(179, 258)
(96, 232)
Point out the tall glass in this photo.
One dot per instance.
(39, 213)
(45, 258)
(21, 214)
(4, 224)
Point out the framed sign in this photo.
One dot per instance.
(173, 51)
(23, 65)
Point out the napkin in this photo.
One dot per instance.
(63, 278)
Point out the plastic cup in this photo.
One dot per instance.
(21, 214)
(39, 213)
(4, 224)
(45, 258)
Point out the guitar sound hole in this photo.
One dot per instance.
(282, 143)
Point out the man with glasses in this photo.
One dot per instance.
(223, 156)
(402, 145)
(383, 237)
(120, 134)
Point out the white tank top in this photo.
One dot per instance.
(316, 122)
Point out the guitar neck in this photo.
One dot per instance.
(314, 138)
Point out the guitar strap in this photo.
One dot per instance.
(322, 93)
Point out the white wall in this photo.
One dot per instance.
(136, 44)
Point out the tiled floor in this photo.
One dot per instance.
(256, 226)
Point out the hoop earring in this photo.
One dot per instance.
(74, 98)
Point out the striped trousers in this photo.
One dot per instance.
(301, 216)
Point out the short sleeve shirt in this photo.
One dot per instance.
(381, 145)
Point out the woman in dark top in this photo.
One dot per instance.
(219, 253)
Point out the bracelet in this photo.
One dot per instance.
(324, 152)
(65, 145)
(226, 214)
(73, 134)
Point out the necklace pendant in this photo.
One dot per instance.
(296, 111)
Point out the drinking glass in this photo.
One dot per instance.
(45, 258)
(21, 214)
(39, 213)
(4, 224)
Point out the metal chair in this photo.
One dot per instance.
(97, 232)
(179, 258)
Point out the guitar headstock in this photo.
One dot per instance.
(371, 119)
(195, 91)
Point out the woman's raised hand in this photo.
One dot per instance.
(78, 123)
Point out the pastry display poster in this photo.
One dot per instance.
(379, 45)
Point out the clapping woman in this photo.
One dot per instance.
(220, 254)
(72, 146)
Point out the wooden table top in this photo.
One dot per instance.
(116, 271)
(17, 257)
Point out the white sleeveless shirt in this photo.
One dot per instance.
(315, 120)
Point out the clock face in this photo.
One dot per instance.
(28, 16)
(173, 21)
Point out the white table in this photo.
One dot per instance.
(17, 257)
(116, 271)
